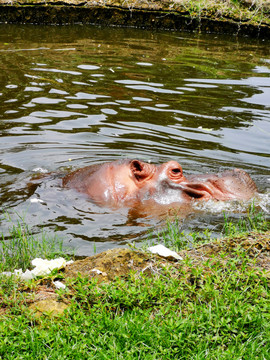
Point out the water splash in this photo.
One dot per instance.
(262, 202)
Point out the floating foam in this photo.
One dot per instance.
(40, 170)
(214, 206)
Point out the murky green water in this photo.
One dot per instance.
(79, 95)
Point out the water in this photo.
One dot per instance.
(79, 95)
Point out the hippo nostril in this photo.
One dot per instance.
(176, 171)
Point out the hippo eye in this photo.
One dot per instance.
(176, 171)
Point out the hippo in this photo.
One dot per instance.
(128, 182)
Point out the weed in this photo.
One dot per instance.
(253, 221)
(173, 237)
(21, 246)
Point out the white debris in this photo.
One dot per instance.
(45, 267)
(41, 267)
(40, 170)
(99, 272)
(36, 200)
(162, 251)
(27, 275)
(59, 285)
(205, 129)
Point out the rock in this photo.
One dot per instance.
(50, 307)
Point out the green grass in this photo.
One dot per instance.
(253, 221)
(174, 238)
(246, 11)
(216, 309)
(20, 246)
(206, 312)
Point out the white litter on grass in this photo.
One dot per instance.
(162, 251)
(99, 272)
(59, 285)
(41, 267)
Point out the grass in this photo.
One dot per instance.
(212, 315)
(247, 11)
(174, 238)
(208, 312)
(214, 309)
(21, 246)
(253, 221)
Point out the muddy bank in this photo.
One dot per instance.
(247, 18)
(121, 263)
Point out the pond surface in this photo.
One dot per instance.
(79, 95)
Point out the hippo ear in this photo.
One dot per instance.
(142, 171)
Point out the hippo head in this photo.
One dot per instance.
(125, 182)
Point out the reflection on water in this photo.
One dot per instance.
(79, 95)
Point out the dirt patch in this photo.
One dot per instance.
(255, 245)
(113, 263)
(119, 262)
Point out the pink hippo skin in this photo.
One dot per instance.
(130, 182)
